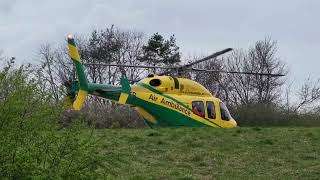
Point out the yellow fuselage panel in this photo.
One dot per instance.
(171, 85)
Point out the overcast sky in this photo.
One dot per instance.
(200, 26)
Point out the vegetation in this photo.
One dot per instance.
(273, 115)
(160, 52)
(205, 153)
(30, 143)
(180, 153)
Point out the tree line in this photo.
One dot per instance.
(253, 99)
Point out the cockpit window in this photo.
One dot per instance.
(155, 82)
(225, 114)
(198, 108)
(176, 83)
(211, 110)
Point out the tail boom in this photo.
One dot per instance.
(120, 94)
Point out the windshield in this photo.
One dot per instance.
(225, 114)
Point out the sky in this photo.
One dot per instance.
(201, 27)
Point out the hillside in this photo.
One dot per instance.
(205, 153)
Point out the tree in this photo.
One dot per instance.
(47, 57)
(251, 89)
(106, 46)
(115, 46)
(159, 51)
(308, 95)
(209, 80)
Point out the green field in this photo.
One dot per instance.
(206, 153)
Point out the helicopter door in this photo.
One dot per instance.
(211, 110)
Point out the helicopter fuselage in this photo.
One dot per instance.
(169, 101)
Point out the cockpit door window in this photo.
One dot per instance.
(211, 110)
(198, 108)
(225, 114)
(176, 83)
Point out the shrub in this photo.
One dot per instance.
(30, 144)
(273, 115)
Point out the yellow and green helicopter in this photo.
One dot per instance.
(161, 100)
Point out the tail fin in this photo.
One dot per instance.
(126, 89)
(83, 82)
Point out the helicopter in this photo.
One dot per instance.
(162, 100)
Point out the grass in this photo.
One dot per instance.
(205, 153)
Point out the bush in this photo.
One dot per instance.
(105, 116)
(30, 145)
(273, 115)
(114, 116)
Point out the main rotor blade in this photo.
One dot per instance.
(237, 72)
(216, 54)
(125, 65)
(132, 81)
(185, 67)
